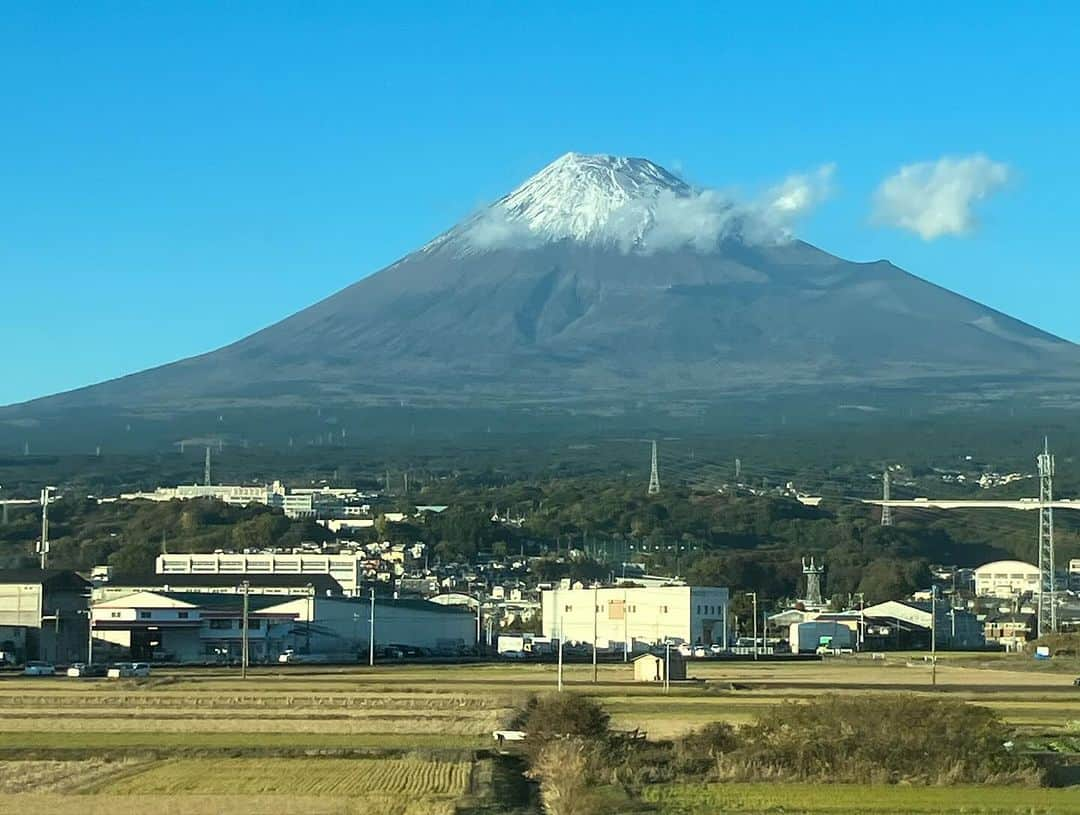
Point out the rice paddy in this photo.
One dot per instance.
(407, 739)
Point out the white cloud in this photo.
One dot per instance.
(798, 194)
(492, 228)
(935, 198)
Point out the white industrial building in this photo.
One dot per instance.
(637, 616)
(208, 627)
(295, 503)
(347, 568)
(1007, 579)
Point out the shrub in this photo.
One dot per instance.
(879, 738)
(564, 715)
(561, 767)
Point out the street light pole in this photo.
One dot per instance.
(478, 623)
(595, 611)
(559, 680)
(43, 547)
(753, 594)
(933, 635)
(371, 633)
(625, 628)
(244, 585)
(667, 667)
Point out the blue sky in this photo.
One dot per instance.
(175, 176)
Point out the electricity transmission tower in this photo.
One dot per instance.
(206, 469)
(1045, 504)
(1047, 609)
(886, 510)
(654, 476)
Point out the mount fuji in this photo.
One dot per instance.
(601, 282)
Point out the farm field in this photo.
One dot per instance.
(841, 799)
(308, 776)
(406, 739)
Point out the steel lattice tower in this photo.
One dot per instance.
(654, 476)
(206, 469)
(886, 510)
(813, 574)
(1047, 609)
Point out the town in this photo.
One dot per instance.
(353, 597)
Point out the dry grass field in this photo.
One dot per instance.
(403, 739)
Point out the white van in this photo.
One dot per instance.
(124, 670)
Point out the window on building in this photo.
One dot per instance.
(144, 615)
(254, 624)
(220, 624)
(114, 614)
(663, 609)
(699, 610)
(567, 609)
(181, 615)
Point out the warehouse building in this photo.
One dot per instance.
(208, 626)
(43, 614)
(896, 625)
(637, 617)
(183, 627)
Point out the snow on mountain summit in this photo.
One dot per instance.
(579, 196)
(629, 205)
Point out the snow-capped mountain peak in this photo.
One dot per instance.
(589, 198)
(578, 196)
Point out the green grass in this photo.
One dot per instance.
(840, 799)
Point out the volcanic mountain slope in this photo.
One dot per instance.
(598, 280)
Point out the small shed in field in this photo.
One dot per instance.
(650, 667)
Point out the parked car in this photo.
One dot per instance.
(716, 649)
(1076, 682)
(699, 651)
(125, 670)
(35, 668)
(81, 669)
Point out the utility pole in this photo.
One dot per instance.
(886, 510)
(478, 622)
(754, 595)
(667, 667)
(43, 545)
(933, 635)
(371, 633)
(595, 614)
(309, 615)
(244, 652)
(559, 680)
(654, 475)
(862, 619)
(625, 628)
